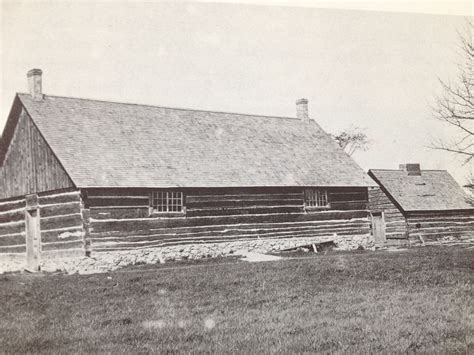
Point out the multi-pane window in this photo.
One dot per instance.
(315, 198)
(167, 201)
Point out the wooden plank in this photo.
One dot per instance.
(59, 234)
(206, 229)
(348, 196)
(119, 201)
(242, 210)
(427, 219)
(12, 205)
(240, 197)
(12, 227)
(98, 192)
(234, 230)
(61, 221)
(105, 213)
(12, 216)
(15, 239)
(61, 209)
(243, 203)
(349, 205)
(73, 196)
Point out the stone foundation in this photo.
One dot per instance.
(113, 260)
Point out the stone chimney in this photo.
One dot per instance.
(34, 84)
(411, 169)
(302, 109)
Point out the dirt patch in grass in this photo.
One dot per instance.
(413, 301)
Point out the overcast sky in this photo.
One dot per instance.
(375, 70)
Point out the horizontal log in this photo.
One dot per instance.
(254, 197)
(59, 198)
(256, 229)
(243, 203)
(396, 236)
(97, 192)
(15, 239)
(13, 249)
(439, 234)
(230, 228)
(12, 205)
(441, 214)
(12, 227)
(68, 235)
(62, 245)
(242, 210)
(349, 205)
(60, 209)
(54, 235)
(440, 219)
(104, 213)
(12, 216)
(443, 230)
(420, 225)
(61, 222)
(144, 241)
(348, 196)
(154, 223)
(118, 201)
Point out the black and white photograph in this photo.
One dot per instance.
(236, 177)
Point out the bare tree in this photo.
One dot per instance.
(352, 140)
(455, 106)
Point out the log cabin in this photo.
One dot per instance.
(85, 176)
(415, 205)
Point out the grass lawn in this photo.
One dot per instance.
(418, 300)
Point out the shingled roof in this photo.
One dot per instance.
(108, 144)
(432, 190)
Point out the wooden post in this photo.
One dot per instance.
(86, 216)
(33, 234)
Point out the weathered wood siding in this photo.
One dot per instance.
(395, 222)
(30, 166)
(120, 219)
(434, 225)
(61, 223)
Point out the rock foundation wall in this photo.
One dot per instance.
(113, 260)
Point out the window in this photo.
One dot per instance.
(166, 201)
(316, 198)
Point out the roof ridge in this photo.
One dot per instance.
(166, 107)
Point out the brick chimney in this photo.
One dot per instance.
(302, 109)
(34, 84)
(411, 169)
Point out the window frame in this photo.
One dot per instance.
(318, 196)
(167, 196)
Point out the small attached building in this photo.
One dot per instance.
(410, 203)
(87, 175)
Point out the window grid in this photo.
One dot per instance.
(167, 201)
(316, 198)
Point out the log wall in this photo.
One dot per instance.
(120, 219)
(12, 226)
(29, 164)
(61, 223)
(395, 222)
(434, 225)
